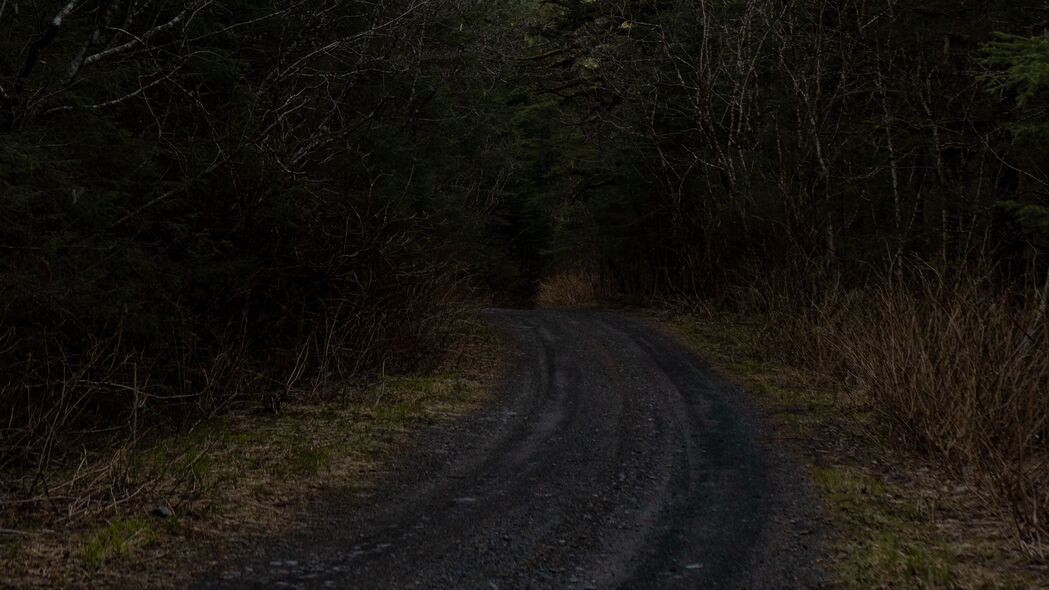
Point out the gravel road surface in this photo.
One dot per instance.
(611, 457)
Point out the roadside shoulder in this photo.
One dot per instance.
(896, 521)
(212, 492)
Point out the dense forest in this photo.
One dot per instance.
(208, 206)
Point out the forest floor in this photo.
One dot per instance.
(896, 520)
(245, 476)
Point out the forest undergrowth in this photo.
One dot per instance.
(954, 366)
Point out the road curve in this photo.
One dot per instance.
(611, 457)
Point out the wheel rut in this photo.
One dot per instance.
(611, 457)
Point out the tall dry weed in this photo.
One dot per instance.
(958, 367)
(577, 287)
(954, 363)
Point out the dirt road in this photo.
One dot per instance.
(612, 457)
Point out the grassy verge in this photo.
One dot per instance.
(896, 521)
(207, 492)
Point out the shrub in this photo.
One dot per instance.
(954, 363)
(571, 288)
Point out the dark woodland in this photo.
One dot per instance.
(217, 207)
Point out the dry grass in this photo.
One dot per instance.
(897, 521)
(77, 425)
(570, 288)
(954, 366)
(960, 371)
(240, 476)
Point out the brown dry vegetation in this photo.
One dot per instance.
(76, 424)
(570, 288)
(897, 519)
(236, 477)
(954, 365)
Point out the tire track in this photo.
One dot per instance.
(611, 458)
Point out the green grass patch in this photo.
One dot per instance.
(887, 561)
(423, 385)
(400, 412)
(883, 542)
(311, 460)
(121, 537)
